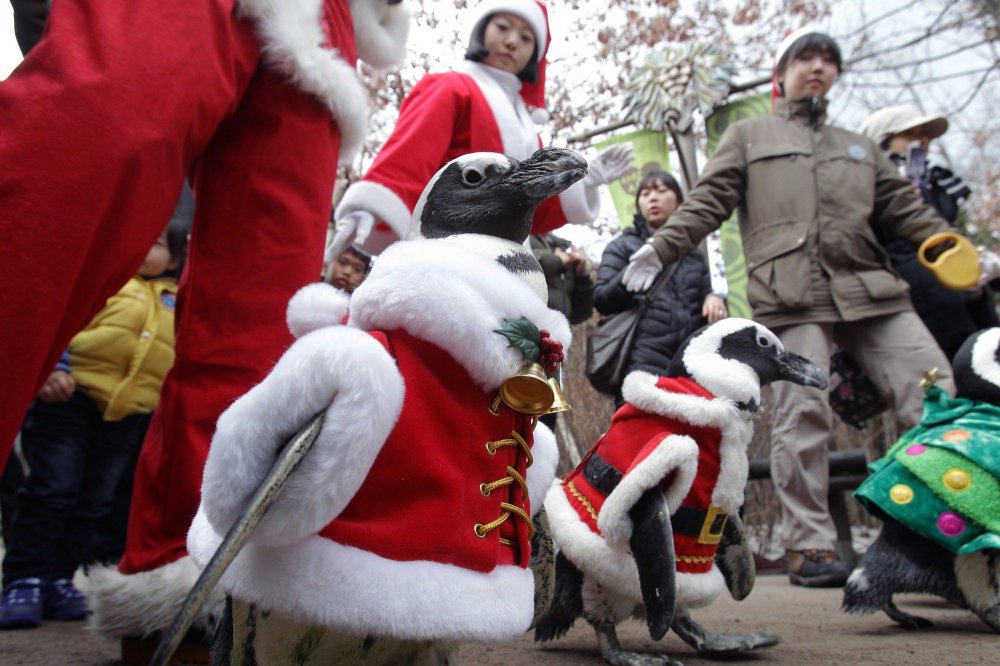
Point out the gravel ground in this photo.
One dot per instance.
(810, 623)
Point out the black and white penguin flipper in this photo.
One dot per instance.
(735, 558)
(905, 560)
(677, 449)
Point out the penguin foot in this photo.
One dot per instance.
(708, 643)
(905, 619)
(612, 652)
(991, 616)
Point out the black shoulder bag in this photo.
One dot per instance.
(610, 343)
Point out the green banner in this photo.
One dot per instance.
(649, 153)
(729, 233)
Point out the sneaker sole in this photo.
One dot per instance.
(75, 614)
(20, 622)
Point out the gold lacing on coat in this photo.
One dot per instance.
(513, 476)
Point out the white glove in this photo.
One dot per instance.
(643, 267)
(989, 267)
(351, 228)
(609, 166)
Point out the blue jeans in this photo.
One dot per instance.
(76, 462)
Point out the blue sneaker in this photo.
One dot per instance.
(64, 602)
(21, 605)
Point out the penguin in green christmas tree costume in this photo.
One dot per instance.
(938, 491)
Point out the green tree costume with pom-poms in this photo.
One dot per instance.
(942, 478)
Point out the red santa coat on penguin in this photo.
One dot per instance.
(410, 516)
(476, 108)
(674, 434)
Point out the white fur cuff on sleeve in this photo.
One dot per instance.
(340, 369)
(675, 453)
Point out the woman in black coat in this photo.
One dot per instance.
(683, 305)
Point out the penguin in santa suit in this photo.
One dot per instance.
(648, 523)
(937, 491)
(406, 528)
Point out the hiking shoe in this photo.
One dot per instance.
(816, 567)
(21, 605)
(64, 602)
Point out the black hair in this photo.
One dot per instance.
(817, 42)
(477, 50)
(654, 178)
(178, 230)
(360, 255)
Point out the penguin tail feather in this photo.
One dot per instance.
(567, 605)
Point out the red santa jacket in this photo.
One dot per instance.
(392, 524)
(674, 434)
(444, 116)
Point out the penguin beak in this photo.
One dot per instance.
(800, 370)
(547, 172)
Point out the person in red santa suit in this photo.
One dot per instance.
(255, 101)
(491, 102)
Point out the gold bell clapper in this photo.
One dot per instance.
(955, 261)
(560, 403)
(529, 391)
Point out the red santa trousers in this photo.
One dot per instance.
(98, 128)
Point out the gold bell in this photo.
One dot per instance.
(559, 403)
(528, 391)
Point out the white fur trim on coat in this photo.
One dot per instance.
(456, 300)
(382, 203)
(145, 603)
(339, 369)
(292, 42)
(316, 306)
(639, 388)
(380, 32)
(612, 566)
(675, 453)
(501, 90)
(365, 594)
(545, 454)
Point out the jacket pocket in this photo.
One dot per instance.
(881, 284)
(778, 267)
(849, 181)
(772, 150)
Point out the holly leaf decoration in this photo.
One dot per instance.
(523, 335)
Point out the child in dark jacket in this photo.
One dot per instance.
(81, 439)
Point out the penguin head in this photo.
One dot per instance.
(734, 357)
(977, 367)
(485, 202)
(492, 194)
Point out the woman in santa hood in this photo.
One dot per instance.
(490, 102)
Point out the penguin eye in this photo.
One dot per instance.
(764, 342)
(472, 176)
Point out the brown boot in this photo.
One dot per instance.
(816, 567)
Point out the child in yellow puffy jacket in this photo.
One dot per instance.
(81, 439)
